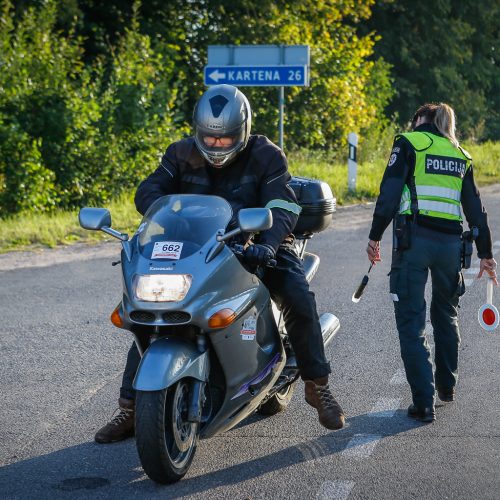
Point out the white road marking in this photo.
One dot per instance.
(468, 282)
(399, 377)
(335, 490)
(361, 446)
(385, 407)
(312, 450)
(496, 244)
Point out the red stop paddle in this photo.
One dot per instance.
(487, 315)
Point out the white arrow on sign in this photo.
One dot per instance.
(215, 75)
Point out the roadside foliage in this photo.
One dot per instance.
(71, 133)
(444, 50)
(84, 116)
(91, 93)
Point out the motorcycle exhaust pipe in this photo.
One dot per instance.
(330, 325)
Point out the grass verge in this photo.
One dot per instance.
(32, 231)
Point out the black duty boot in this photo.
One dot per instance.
(121, 426)
(446, 395)
(426, 415)
(319, 396)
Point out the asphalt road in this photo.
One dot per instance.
(60, 371)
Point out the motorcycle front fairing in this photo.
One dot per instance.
(174, 240)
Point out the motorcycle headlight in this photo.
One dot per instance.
(162, 287)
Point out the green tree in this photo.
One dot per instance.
(342, 96)
(70, 133)
(443, 50)
(348, 91)
(349, 87)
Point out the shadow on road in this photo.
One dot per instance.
(114, 470)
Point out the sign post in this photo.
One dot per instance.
(352, 162)
(259, 66)
(282, 105)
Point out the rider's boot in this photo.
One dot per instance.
(319, 396)
(121, 426)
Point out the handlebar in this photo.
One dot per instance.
(239, 251)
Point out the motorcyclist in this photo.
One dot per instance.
(224, 159)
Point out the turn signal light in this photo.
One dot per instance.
(116, 319)
(222, 318)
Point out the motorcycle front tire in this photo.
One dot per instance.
(277, 403)
(166, 442)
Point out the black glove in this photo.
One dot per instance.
(258, 254)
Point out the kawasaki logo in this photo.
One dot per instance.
(445, 165)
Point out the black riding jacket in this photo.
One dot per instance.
(257, 177)
(398, 172)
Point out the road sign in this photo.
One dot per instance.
(259, 66)
(257, 76)
(258, 55)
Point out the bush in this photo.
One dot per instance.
(73, 134)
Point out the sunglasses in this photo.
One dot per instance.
(224, 142)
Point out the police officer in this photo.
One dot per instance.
(248, 171)
(428, 178)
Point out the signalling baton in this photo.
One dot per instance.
(487, 315)
(356, 296)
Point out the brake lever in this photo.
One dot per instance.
(237, 249)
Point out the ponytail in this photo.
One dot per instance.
(442, 116)
(445, 122)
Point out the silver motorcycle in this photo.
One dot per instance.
(214, 347)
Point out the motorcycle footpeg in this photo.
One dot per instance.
(287, 377)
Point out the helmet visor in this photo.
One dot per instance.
(212, 141)
(218, 146)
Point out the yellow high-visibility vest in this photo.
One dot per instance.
(439, 171)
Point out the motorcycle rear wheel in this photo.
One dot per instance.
(277, 403)
(166, 441)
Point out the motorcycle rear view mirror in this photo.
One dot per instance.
(94, 218)
(252, 220)
(99, 219)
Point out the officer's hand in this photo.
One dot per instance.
(258, 254)
(373, 251)
(489, 266)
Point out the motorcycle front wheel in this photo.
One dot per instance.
(166, 441)
(277, 403)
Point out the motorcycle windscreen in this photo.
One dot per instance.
(176, 226)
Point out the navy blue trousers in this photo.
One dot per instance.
(440, 254)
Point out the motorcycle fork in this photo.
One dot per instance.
(196, 390)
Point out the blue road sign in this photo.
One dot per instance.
(256, 76)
